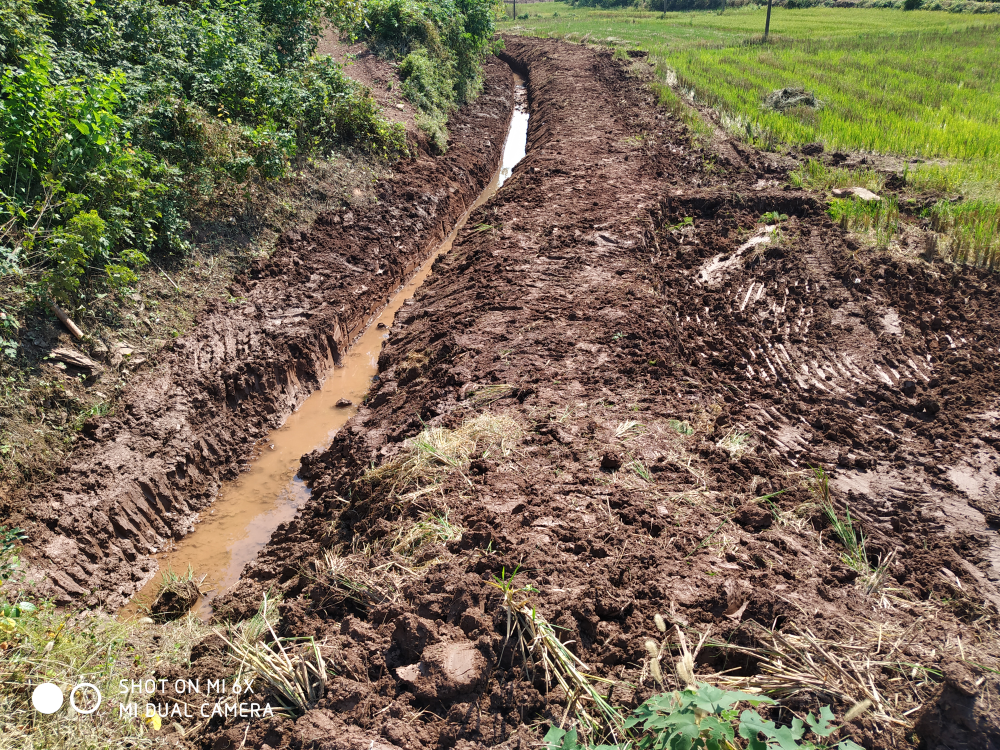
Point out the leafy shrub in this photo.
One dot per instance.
(118, 117)
(704, 717)
(440, 44)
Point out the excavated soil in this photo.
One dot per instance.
(659, 368)
(657, 361)
(140, 477)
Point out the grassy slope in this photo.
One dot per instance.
(915, 84)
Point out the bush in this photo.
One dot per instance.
(440, 46)
(118, 117)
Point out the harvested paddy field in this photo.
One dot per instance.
(637, 397)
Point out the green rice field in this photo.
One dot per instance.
(918, 84)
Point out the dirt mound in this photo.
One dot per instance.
(650, 374)
(141, 476)
(175, 599)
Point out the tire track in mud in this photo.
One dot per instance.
(651, 378)
(140, 477)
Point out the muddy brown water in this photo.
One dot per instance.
(250, 508)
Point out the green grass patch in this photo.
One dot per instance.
(971, 229)
(880, 218)
(920, 84)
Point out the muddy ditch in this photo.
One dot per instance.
(247, 510)
(623, 394)
(627, 381)
(141, 476)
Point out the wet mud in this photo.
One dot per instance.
(142, 476)
(663, 375)
(651, 375)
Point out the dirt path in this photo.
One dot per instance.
(632, 382)
(140, 476)
(607, 374)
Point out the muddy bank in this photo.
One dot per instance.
(140, 476)
(635, 368)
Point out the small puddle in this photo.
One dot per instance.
(247, 510)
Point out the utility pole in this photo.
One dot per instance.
(767, 23)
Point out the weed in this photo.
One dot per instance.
(176, 595)
(682, 428)
(537, 639)
(431, 529)
(855, 555)
(640, 469)
(879, 218)
(437, 452)
(773, 217)
(366, 588)
(628, 429)
(704, 542)
(294, 668)
(815, 175)
(736, 442)
(9, 559)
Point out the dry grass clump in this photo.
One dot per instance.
(431, 529)
(437, 452)
(293, 668)
(538, 642)
(355, 580)
(487, 394)
(797, 661)
(736, 441)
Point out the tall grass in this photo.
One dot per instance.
(878, 218)
(972, 231)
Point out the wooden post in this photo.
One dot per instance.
(767, 23)
(66, 321)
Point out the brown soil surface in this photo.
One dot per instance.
(652, 379)
(138, 478)
(659, 380)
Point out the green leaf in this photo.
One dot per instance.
(715, 700)
(752, 723)
(822, 726)
(560, 739)
(81, 126)
(849, 745)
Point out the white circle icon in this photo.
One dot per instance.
(47, 698)
(90, 708)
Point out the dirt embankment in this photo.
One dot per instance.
(632, 383)
(140, 476)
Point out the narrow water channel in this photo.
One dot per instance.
(248, 509)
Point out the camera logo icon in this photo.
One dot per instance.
(84, 698)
